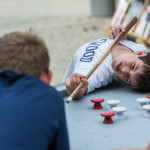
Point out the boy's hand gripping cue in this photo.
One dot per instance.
(101, 59)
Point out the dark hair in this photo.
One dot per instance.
(143, 79)
(24, 53)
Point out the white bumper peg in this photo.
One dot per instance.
(142, 102)
(119, 111)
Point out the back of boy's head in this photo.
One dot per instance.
(143, 79)
(24, 53)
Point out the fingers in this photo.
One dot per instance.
(85, 81)
(130, 149)
(116, 30)
(76, 79)
(73, 81)
(148, 147)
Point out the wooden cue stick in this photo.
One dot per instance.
(101, 59)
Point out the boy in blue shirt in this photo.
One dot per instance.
(31, 112)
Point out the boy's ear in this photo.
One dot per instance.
(46, 77)
(140, 53)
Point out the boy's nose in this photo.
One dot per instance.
(125, 69)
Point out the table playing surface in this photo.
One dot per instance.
(85, 124)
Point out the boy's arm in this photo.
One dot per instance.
(73, 81)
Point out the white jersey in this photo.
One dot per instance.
(88, 54)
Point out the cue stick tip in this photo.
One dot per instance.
(69, 99)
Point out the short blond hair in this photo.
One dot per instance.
(24, 53)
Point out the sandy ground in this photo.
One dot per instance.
(64, 24)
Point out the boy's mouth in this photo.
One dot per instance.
(118, 66)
